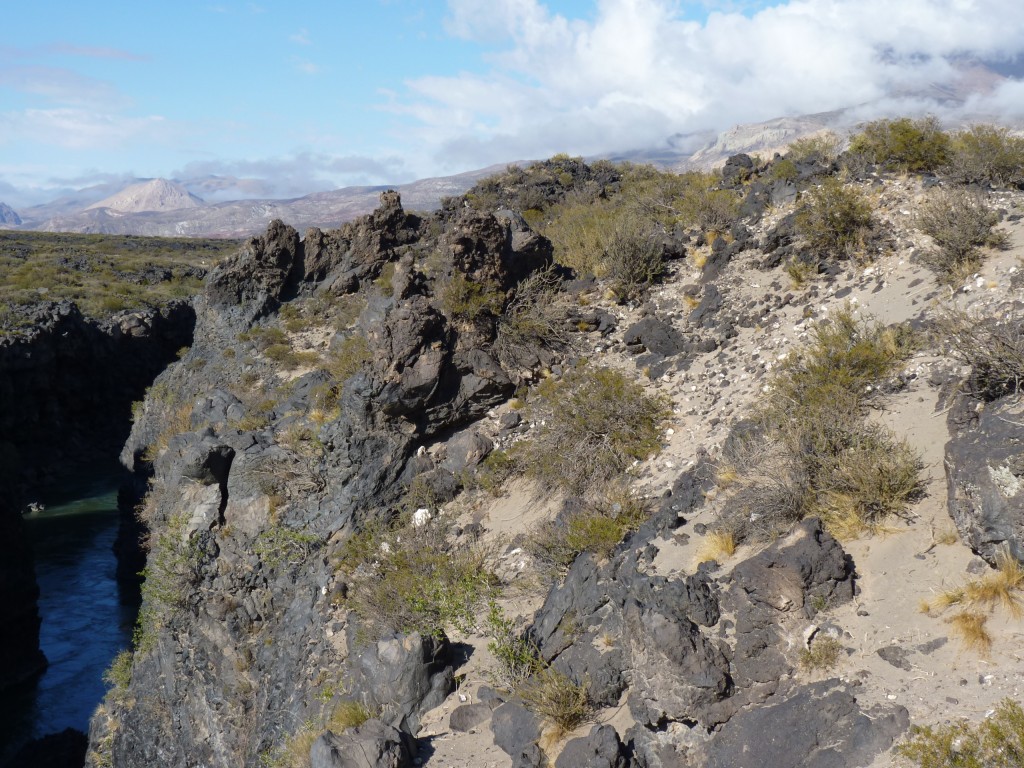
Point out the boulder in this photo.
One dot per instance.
(601, 748)
(517, 731)
(984, 464)
(371, 745)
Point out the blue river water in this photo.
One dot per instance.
(86, 616)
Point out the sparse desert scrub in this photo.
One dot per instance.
(992, 347)
(904, 144)
(823, 148)
(834, 218)
(533, 323)
(996, 742)
(597, 527)
(822, 655)
(960, 223)
(987, 154)
(593, 423)
(809, 449)
(634, 255)
(407, 577)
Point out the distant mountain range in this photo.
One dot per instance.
(169, 208)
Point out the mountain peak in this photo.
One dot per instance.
(153, 195)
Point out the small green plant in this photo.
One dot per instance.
(834, 218)
(597, 527)
(348, 714)
(517, 658)
(554, 696)
(597, 423)
(409, 578)
(996, 742)
(904, 144)
(823, 655)
(465, 299)
(280, 546)
(118, 676)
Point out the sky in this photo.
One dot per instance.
(286, 97)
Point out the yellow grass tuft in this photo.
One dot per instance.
(970, 626)
(999, 588)
(717, 545)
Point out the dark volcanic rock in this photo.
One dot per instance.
(468, 716)
(517, 732)
(600, 748)
(654, 335)
(370, 745)
(985, 477)
(819, 726)
(404, 676)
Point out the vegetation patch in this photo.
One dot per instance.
(996, 742)
(904, 144)
(960, 224)
(554, 696)
(987, 154)
(992, 347)
(835, 219)
(823, 654)
(811, 451)
(594, 423)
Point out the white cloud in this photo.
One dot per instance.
(639, 71)
(301, 37)
(73, 128)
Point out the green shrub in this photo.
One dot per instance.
(118, 676)
(465, 299)
(410, 578)
(996, 742)
(517, 658)
(904, 144)
(987, 154)
(348, 714)
(823, 148)
(960, 223)
(834, 218)
(784, 170)
(810, 450)
(597, 527)
(280, 546)
(596, 424)
(823, 655)
(634, 258)
(533, 323)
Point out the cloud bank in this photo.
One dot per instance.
(641, 71)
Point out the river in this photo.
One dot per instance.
(86, 616)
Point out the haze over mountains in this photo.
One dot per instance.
(161, 207)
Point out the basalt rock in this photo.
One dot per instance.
(371, 745)
(985, 476)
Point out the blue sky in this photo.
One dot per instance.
(298, 96)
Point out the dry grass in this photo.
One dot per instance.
(969, 626)
(823, 655)
(561, 702)
(717, 546)
(348, 714)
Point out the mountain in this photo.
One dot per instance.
(8, 215)
(153, 195)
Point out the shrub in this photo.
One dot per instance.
(810, 450)
(533, 323)
(556, 698)
(118, 676)
(578, 230)
(634, 258)
(699, 203)
(996, 742)
(834, 218)
(465, 299)
(904, 144)
(517, 658)
(597, 528)
(596, 423)
(992, 346)
(823, 148)
(280, 546)
(408, 578)
(960, 223)
(348, 714)
(823, 655)
(987, 154)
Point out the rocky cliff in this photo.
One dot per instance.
(320, 461)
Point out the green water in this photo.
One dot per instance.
(86, 619)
